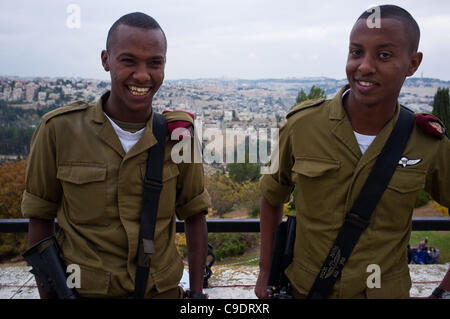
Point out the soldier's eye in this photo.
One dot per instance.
(355, 52)
(385, 55)
(127, 60)
(156, 62)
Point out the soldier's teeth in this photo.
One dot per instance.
(137, 90)
(365, 83)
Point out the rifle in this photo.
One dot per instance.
(282, 255)
(208, 272)
(46, 264)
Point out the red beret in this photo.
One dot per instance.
(175, 123)
(430, 125)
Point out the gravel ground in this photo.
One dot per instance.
(227, 282)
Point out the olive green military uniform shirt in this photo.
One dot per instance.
(319, 152)
(78, 172)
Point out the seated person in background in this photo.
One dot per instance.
(423, 245)
(411, 253)
(435, 255)
(422, 257)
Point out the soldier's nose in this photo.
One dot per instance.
(141, 75)
(367, 66)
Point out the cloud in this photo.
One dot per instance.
(236, 38)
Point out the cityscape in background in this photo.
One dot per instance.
(218, 103)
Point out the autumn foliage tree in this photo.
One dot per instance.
(12, 185)
(249, 196)
(227, 194)
(222, 192)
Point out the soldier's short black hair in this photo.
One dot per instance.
(134, 19)
(395, 12)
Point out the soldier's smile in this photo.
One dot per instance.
(366, 86)
(138, 91)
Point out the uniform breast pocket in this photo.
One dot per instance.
(399, 198)
(316, 182)
(84, 192)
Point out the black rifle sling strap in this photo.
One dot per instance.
(357, 218)
(152, 190)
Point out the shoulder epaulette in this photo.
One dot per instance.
(430, 125)
(76, 106)
(304, 105)
(180, 119)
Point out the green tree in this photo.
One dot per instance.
(240, 172)
(441, 106)
(422, 198)
(15, 140)
(314, 93)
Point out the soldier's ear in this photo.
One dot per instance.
(414, 63)
(104, 57)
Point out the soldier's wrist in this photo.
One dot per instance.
(191, 294)
(264, 267)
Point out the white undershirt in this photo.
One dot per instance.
(127, 139)
(364, 141)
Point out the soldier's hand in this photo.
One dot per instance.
(261, 286)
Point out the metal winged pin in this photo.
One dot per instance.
(404, 161)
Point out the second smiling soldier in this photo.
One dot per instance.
(328, 148)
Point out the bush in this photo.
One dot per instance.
(12, 245)
(254, 213)
(441, 209)
(180, 242)
(227, 245)
(422, 198)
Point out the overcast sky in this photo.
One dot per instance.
(207, 38)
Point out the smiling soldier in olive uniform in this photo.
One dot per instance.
(328, 147)
(87, 165)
